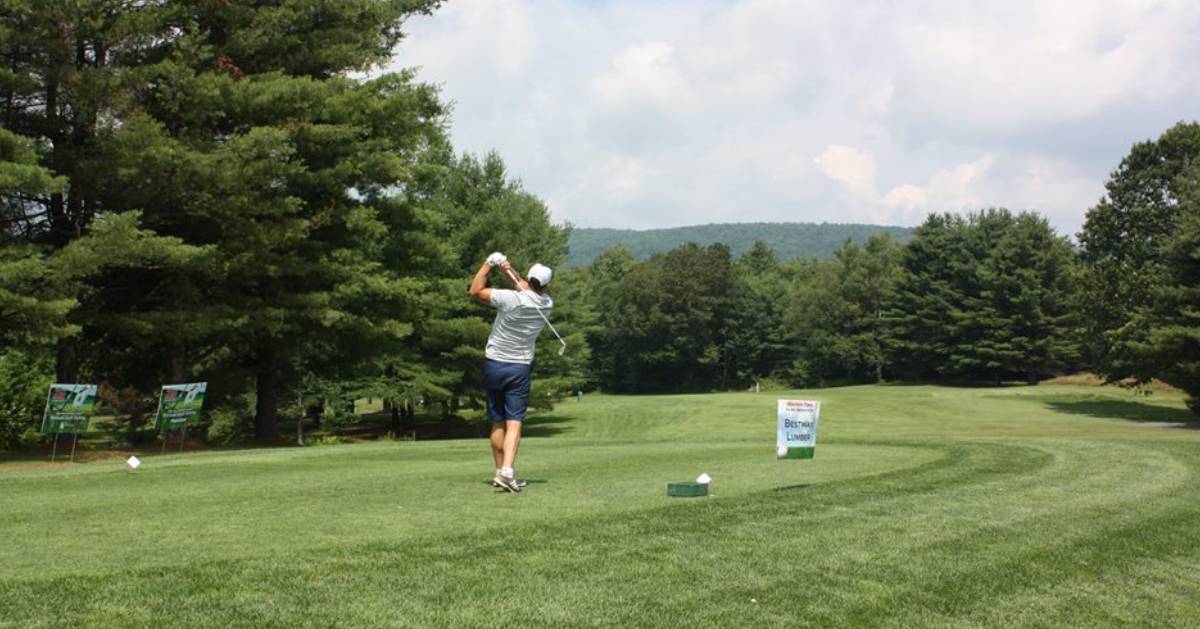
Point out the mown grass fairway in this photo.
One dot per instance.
(1029, 506)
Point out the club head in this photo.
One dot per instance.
(562, 350)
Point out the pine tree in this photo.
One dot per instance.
(868, 277)
(816, 317)
(605, 280)
(33, 309)
(672, 321)
(238, 126)
(757, 344)
(1171, 351)
(473, 208)
(1027, 301)
(927, 297)
(838, 311)
(976, 319)
(1123, 243)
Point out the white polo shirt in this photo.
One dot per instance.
(517, 325)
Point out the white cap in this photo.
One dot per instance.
(541, 273)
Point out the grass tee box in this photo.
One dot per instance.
(996, 508)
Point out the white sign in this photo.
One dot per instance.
(796, 431)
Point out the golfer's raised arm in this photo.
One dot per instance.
(479, 289)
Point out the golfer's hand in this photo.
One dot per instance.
(496, 258)
(505, 265)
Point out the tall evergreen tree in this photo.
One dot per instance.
(927, 296)
(869, 276)
(974, 319)
(483, 210)
(984, 296)
(1123, 242)
(815, 316)
(672, 321)
(32, 310)
(757, 343)
(1171, 351)
(838, 311)
(1026, 302)
(237, 126)
(605, 282)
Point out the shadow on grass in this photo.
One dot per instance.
(956, 384)
(1128, 410)
(545, 426)
(425, 429)
(531, 481)
(793, 487)
(99, 446)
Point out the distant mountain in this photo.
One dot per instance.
(789, 240)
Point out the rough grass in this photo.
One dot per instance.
(943, 507)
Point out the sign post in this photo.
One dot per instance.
(68, 409)
(178, 406)
(796, 429)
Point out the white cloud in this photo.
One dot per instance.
(1052, 188)
(1013, 64)
(651, 113)
(954, 186)
(949, 189)
(643, 73)
(620, 177)
(476, 36)
(850, 166)
(908, 197)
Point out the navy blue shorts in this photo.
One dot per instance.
(507, 386)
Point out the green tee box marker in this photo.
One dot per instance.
(688, 489)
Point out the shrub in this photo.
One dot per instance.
(135, 407)
(232, 422)
(326, 440)
(24, 380)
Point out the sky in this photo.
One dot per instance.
(661, 113)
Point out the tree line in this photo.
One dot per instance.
(236, 193)
(981, 297)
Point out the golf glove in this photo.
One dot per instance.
(496, 258)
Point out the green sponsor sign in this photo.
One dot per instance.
(68, 408)
(796, 432)
(179, 405)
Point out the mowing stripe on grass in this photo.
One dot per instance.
(985, 509)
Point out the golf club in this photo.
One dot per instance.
(518, 281)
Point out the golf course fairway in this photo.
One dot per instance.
(1040, 506)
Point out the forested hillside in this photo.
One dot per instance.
(788, 240)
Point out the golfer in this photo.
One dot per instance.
(508, 364)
